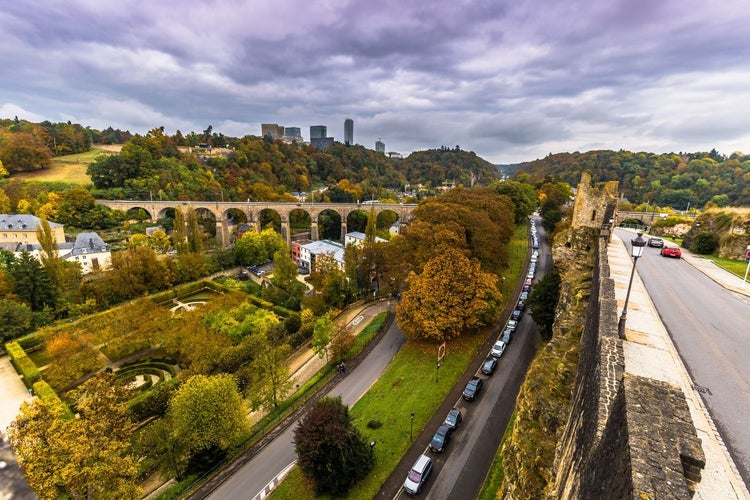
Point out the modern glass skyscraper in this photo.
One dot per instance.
(348, 131)
(318, 132)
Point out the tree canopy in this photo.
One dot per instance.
(330, 450)
(451, 297)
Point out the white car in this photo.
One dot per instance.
(512, 324)
(498, 349)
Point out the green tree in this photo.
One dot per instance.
(704, 243)
(271, 380)
(16, 320)
(159, 241)
(32, 283)
(179, 235)
(322, 334)
(249, 248)
(451, 297)
(286, 290)
(207, 412)
(330, 450)
(76, 208)
(194, 233)
(522, 195)
(543, 302)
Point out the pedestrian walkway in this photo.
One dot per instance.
(718, 274)
(649, 352)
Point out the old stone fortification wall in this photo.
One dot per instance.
(626, 436)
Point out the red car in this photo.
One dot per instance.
(671, 252)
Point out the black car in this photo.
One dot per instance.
(453, 418)
(516, 314)
(473, 388)
(441, 438)
(521, 305)
(655, 242)
(489, 365)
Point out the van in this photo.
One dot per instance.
(418, 475)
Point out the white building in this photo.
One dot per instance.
(309, 251)
(356, 238)
(90, 251)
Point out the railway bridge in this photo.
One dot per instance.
(223, 210)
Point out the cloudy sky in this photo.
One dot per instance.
(511, 80)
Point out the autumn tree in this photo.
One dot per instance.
(194, 233)
(330, 450)
(23, 151)
(451, 297)
(86, 457)
(342, 341)
(207, 412)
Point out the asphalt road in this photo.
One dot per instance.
(279, 453)
(710, 327)
(460, 472)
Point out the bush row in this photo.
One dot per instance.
(48, 395)
(23, 363)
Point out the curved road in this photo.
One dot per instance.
(253, 477)
(710, 327)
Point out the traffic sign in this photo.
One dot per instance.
(747, 254)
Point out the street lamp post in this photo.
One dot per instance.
(637, 245)
(411, 428)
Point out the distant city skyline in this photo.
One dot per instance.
(511, 81)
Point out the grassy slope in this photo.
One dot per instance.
(69, 168)
(409, 386)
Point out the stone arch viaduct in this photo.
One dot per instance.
(252, 211)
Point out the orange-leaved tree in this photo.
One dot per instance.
(452, 297)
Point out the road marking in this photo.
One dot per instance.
(357, 320)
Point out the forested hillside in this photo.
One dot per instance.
(675, 180)
(265, 170)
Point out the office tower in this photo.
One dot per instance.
(379, 146)
(318, 132)
(348, 131)
(292, 132)
(271, 130)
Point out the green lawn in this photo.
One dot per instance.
(734, 266)
(408, 385)
(68, 168)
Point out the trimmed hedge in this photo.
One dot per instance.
(48, 395)
(23, 363)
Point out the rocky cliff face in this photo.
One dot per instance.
(730, 227)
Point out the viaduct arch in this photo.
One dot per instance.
(252, 210)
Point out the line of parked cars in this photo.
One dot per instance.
(423, 467)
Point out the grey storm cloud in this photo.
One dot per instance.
(512, 80)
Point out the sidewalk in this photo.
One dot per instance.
(649, 352)
(720, 275)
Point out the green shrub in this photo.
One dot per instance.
(152, 403)
(704, 244)
(48, 395)
(23, 364)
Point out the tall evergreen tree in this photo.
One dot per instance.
(32, 283)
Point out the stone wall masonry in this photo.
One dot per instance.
(626, 436)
